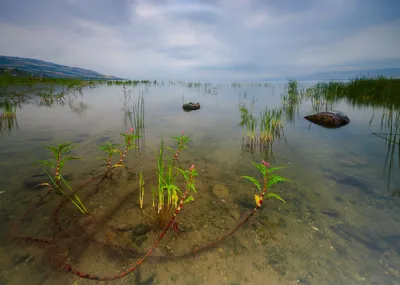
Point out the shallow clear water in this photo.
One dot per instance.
(340, 225)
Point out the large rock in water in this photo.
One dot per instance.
(329, 119)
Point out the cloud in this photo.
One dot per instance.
(204, 39)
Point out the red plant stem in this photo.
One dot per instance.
(68, 268)
(125, 152)
(251, 214)
(109, 161)
(58, 164)
(178, 150)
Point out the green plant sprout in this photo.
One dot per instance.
(8, 115)
(57, 180)
(269, 179)
(130, 137)
(110, 149)
(57, 161)
(167, 175)
(141, 190)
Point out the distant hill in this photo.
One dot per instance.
(345, 75)
(20, 66)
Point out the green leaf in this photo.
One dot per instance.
(103, 158)
(189, 199)
(275, 179)
(48, 163)
(261, 167)
(276, 196)
(272, 169)
(252, 179)
(68, 158)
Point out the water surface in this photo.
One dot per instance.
(340, 224)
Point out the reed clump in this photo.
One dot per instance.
(363, 91)
(8, 116)
(260, 131)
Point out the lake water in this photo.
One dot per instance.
(340, 223)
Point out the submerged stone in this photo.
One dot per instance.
(329, 119)
(331, 212)
(191, 106)
(220, 191)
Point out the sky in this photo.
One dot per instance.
(204, 39)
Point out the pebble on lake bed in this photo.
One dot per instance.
(220, 191)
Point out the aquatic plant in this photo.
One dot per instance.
(8, 110)
(93, 227)
(8, 115)
(138, 115)
(390, 133)
(57, 163)
(167, 174)
(130, 137)
(292, 99)
(141, 190)
(362, 91)
(110, 149)
(271, 126)
(262, 129)
(268, 180)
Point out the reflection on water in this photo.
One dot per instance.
(340, 224)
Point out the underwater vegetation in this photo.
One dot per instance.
(380, 91)
(161, 192)
(174, 189)
(259, 131)
(8, 116)
(78, 216)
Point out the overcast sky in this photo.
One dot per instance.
(204, 39)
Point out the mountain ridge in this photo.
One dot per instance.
(37, 67)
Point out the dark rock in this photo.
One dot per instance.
(191, 106)
(276, 259)
(138, 240)
(83, 135)
(339, 199)
(19, 258)
(331, 212)
(141, 229)
(104, 139)
(39, 178)
(330, 119)
(350, 233)
(282, 223)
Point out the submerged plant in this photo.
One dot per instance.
(166, 195)
(167, 174)
(130, 137)
(57, 181)
(8, 117)
(271, 126)
(141, 190)
(269, 179)
(260, 131)
(58, 160)
(110, 149)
